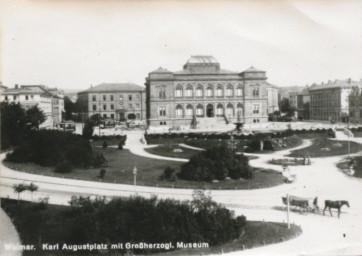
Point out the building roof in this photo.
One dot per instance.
(111, 87)
(220, 71)
(252, 69)
(202, 59)
(27, 89)
(347, 83)
(161, 70)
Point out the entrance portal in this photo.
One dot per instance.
(210, 110)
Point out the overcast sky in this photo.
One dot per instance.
(73, 44)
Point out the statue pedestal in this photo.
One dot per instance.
(239, 126)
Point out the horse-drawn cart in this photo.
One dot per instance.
(303, 204)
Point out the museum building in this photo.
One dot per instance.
(204, 93)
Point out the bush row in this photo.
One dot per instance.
(281, 134)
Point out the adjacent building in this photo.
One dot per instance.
(118, 101)
(330, 101)
(303, 104)
(45, 98)
(203, 92)
(355, 105)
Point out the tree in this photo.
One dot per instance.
(96, 118)
(19, 188)
(12, 124)
(284, 105)
(105, 144)
(69, 107)
(35, 116)
(102, 173)
(32, 188)
(88, 129)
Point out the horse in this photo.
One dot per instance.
(334, 204)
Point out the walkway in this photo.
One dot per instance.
(8, 236)
(322, 179)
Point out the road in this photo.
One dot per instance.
(321, 234)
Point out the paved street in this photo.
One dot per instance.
(321, 234)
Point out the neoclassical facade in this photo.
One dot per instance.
(204, 92)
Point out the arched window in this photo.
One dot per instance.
(188, 92)
(229, 91)
(239, 90)
(219, 110)
(199, 110)
(219, 91)
(199, 91)
(179, 111)
(229, 110)
(209, 91)
(178, 91)
(239, 110)
(162, 93)
(189, 110)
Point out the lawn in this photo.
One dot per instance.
(325, 148)
(51, 222)
(357, 166)
(122, 162)
(256, 234)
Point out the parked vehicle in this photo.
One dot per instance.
(68, 126)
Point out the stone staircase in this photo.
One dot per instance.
(211, 122)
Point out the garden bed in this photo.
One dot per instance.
(121, 164)
(53, 223)
(172, 150)
(357, 167)
(326, 148)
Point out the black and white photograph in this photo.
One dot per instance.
(171, 128)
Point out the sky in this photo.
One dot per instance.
(74, 44)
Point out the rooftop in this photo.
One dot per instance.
(346, 83)
(202, 59)
(111, 87)
(252, 69)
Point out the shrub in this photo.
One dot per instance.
(99, 159)
(105, 144)
(215, 163)
(120, 145)
(268, 145)
(102, 173)
(168, 174)
(253, 146)
(63, 167)
(88, 129)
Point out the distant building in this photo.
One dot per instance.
(355, 104)
(303, 104)
(118, 101)
(204, 93)
(40, 95)
(57, 105)
(330, 101)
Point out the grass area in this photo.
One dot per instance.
(172, 150)
(357, 167)
(120, 167)
(325, 148)
(256, 234)
(289, 162)
(50, 222)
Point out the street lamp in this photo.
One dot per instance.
(134, 176)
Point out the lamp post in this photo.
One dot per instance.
(134, 176)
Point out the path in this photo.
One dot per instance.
(322, 179)
(8, 235)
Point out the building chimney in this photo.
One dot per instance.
(16, 86)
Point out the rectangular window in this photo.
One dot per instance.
(130, 97)
(104, 97)
(112, 106)
(112, 97)
(137, 105)
(256, 109)
(104, 107)
(130, 105)
(94, 107)
(138, 97)
(14, 97)
(94, 98)
(26, 97)
(162, 111)
(104, 115)
(161, 94)
(6, 97)
(255, 91)
(112, 116)
(138, 115)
